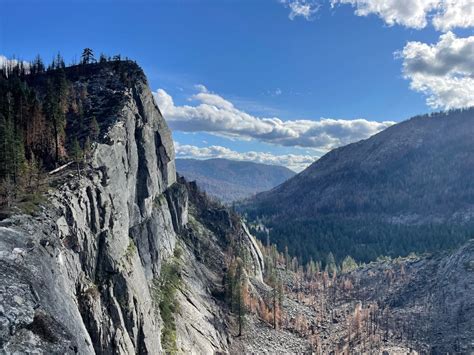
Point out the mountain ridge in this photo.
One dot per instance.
(416, 174)
(231, 180)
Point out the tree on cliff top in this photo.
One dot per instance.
(87, 56)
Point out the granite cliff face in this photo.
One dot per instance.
(79, 277)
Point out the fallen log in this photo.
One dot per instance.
(52, 172)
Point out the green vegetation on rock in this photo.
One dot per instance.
(164, 292)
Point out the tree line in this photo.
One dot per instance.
(39, 106)
(364, 240)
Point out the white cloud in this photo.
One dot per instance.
(216, 115)
(201, 88)
(302, 8)
(444, 14)
(454, 14)
(292, 161)
(443, 71)
(6, 62)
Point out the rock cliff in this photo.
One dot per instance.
(81, 275)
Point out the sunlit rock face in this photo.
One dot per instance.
(78, 277)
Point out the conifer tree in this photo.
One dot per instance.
(280, 292)
(348, 264)
(37, 66)
(331, 266)
(76, 153)
(236, 290)
(55, 106)
(94, 129)
(32, 173)
(58, 62)
(240, 290)
(12, 154)
(87, 148)
(102, 58)
(87, 56)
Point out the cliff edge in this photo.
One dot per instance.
(84, 275)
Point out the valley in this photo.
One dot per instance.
(406, 189)
(105, 249)
(230, 181)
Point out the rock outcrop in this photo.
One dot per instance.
(79, 276)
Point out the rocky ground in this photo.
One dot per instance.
(416, 305)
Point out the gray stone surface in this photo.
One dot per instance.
(77, 278)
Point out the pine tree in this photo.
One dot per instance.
(348, 264)
(55, 106)
(7, 192)
(240, 290)
(331, 266)
(280, 292)
(287, 257)
(6, 135)
(18, 156)
(32, 174)
(236, 290)
(58, 62)
(229, 283)
(87, 56)
(37, 66)
(94, 129)
(87, 148)
(277, 298)
(12, 154)
(102, 58)
(76, 153)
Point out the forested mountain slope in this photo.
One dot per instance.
(408, 188)
(230, 180)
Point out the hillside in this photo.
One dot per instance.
(118, 255)
(408, 188)
(411, 305)
(115, 244)
(230, 180)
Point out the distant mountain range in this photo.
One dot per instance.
(408, 188)
(230, 180)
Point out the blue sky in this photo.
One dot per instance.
(251, 79)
